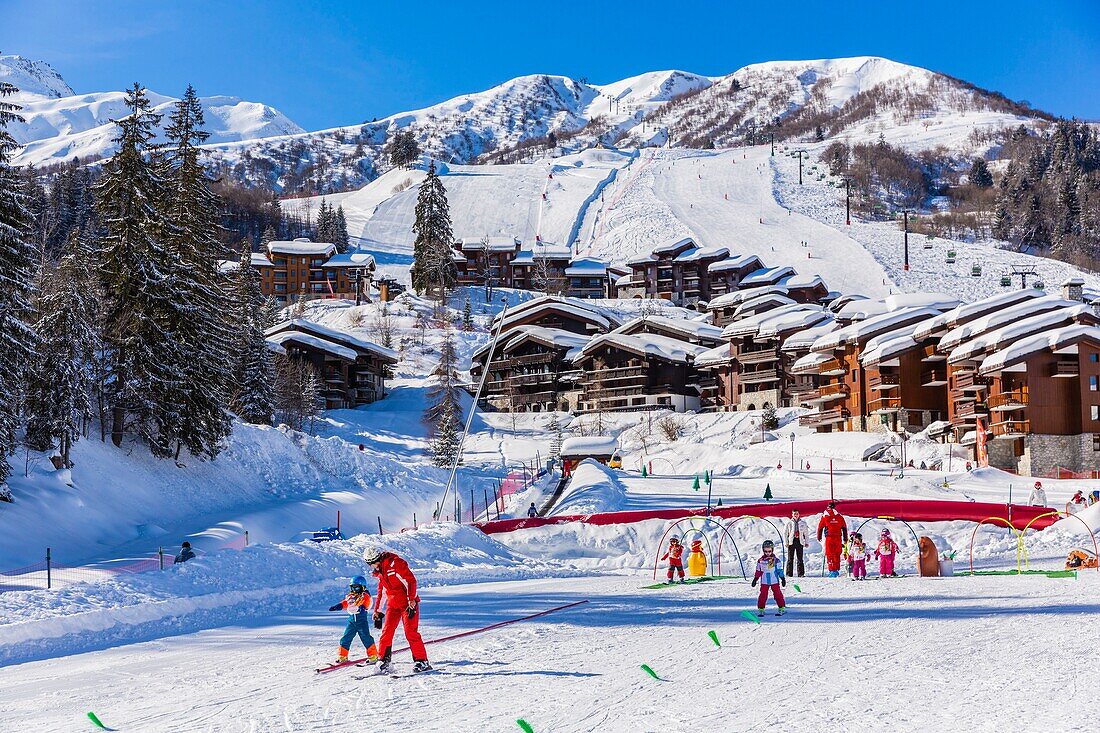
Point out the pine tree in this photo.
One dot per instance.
(340, 231)
(433, 268)
(253, 374)
(60, 383)
(445, 437)
(324, 227)
(768, 492)
(137, 273)
(202, 331)
(771, 419)
(17, 264)
(443, 394)
(467, 316)
(554, 428)
(980, 175)
(268, 236)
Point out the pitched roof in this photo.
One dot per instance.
(648, 344)
(674, 246)
(736, 262)
(1017, 330)
(300, 247)
(331, 334)
(586, 267)
(687, 327)
(717, 356)
(351, 259)
(306, 339)
(772, 322)
(805, 339)
(969, 311)
(866, 329)
(767, 276)
(1060, 338)
(998, 318)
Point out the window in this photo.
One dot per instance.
(1092, 383)
(1095, 409)
(1096, 443)
(1094, 357)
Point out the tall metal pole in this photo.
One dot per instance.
(799, 167)
(470, 417)
(848, 201)
(773, 144)
(905, 214)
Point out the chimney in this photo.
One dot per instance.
(1073, 289)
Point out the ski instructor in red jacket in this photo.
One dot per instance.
(398, 584)
(835, 531)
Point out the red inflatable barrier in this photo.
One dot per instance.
(912, 510)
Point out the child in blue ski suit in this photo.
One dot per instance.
(769, 573)
(358, 605)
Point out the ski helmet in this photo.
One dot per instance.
(373, 554)
(885, 533)
(359, 580)
(674, 541)
(767, 544)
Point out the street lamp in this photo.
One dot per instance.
(792, 451)
(848, 201)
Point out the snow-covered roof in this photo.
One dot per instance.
(690, 328)
(871, 327)
(804, 339)
(767, 301)
(555, 337)
(737, 262)
(299, 247)
(772, 322)
(648, 344)
(554, 305)
(673, 246)
(969, 311)
(809, 363)
(887, 346)
(844, 299)
(715, 357)
(306, 339)
(471, 243)
(701, 253)
(501, 244)
(1016, 330)
(259, 259)
(542, 251)
(589, 445)
(998, 318)
(351, 259)
(623, 280)
(586, 267)
(1059, 338)
(332, 334)
(861, 309)
(767, 276)
(802, 282)
(731, 299)
(939, 301)
(642, 259)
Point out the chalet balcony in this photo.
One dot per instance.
(827, 393)
(832, 368)
(969, 381)
(929, 353)
(759, 356)
(1014, 400)
(518, 361)
(933, 378)
(801, 388)
(825, 417)
(883, 405)
(884, 381)
(759, 376)
(969, 412)
(1010, 429)
(1065, 368)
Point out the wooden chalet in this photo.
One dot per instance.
(563, 313)
(485, 260)
(301, 268)
(531, 370)
(352, 369)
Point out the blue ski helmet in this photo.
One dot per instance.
(359, 580)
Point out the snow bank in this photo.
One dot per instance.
(593, 488)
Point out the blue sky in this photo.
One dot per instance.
(334, 63)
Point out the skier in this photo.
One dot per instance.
(835, 531)
(532, 511)
(769, 573)
(886, 552)
(797, 538)
(675, 557)
(357, 604)
(1038, 497)
(398, 584)
(186, 553)
(857, 557)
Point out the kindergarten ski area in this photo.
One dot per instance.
(232, 640)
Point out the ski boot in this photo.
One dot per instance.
(834, 573)
(682, 581)
(372, 654)
(342, 659)
(781, 611)
(385, 666)
(669, 581)
(760, 612)
(422, 666)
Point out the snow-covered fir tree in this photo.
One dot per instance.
(467, 316)
(202, 332)
(60, 381)
(137, 272)
(443, 394)
(445, 436)
(433, 269)
(253, 374)
(17, 267)
(340, 231)
(554, 428)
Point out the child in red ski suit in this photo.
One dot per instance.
(857, 557)
(886, 551)
(675, 557)
(769, 573)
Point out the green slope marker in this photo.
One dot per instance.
(649, 670)
(797, 588)
(714, 637)
(525, 726)
(92, 717)
(751, 617)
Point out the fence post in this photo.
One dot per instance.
(337, 520)
(246, 538)
(458, 510)
(49, 574)
(414, 520)
(160, 554)
(380, 526)
(485, 493)
(473, 508)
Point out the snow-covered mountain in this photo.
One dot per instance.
(59, 124)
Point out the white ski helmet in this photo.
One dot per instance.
(373, 553)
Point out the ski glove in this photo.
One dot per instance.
(378, 618)
(754, 582)
(337, 607)
(413, 605)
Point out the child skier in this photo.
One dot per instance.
(769, 573)
(886, 551)
(675, 557)
(857, 557)
(357, 604)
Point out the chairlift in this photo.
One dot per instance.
(976, 271)
(951, 254)
(1006, 281)
(1040, 285)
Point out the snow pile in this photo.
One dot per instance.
(593, 487)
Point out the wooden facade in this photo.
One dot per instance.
(620, 372)
(531, 371)
(300, 269)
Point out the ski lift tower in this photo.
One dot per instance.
(1023, 271)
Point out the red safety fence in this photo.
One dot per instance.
(1065, 473)
(912, 510)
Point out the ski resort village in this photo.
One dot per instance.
(759, 401)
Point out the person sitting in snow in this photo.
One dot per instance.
(675, 557)
(532, 511)
(857, 557)
(1038, 496)
(1077, 502)
(186, 553)
(358, 604)
(886, 552)
(769, 573)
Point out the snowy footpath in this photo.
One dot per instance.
(990, 653)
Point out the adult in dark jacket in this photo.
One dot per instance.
(186, 553)
(532, 511)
